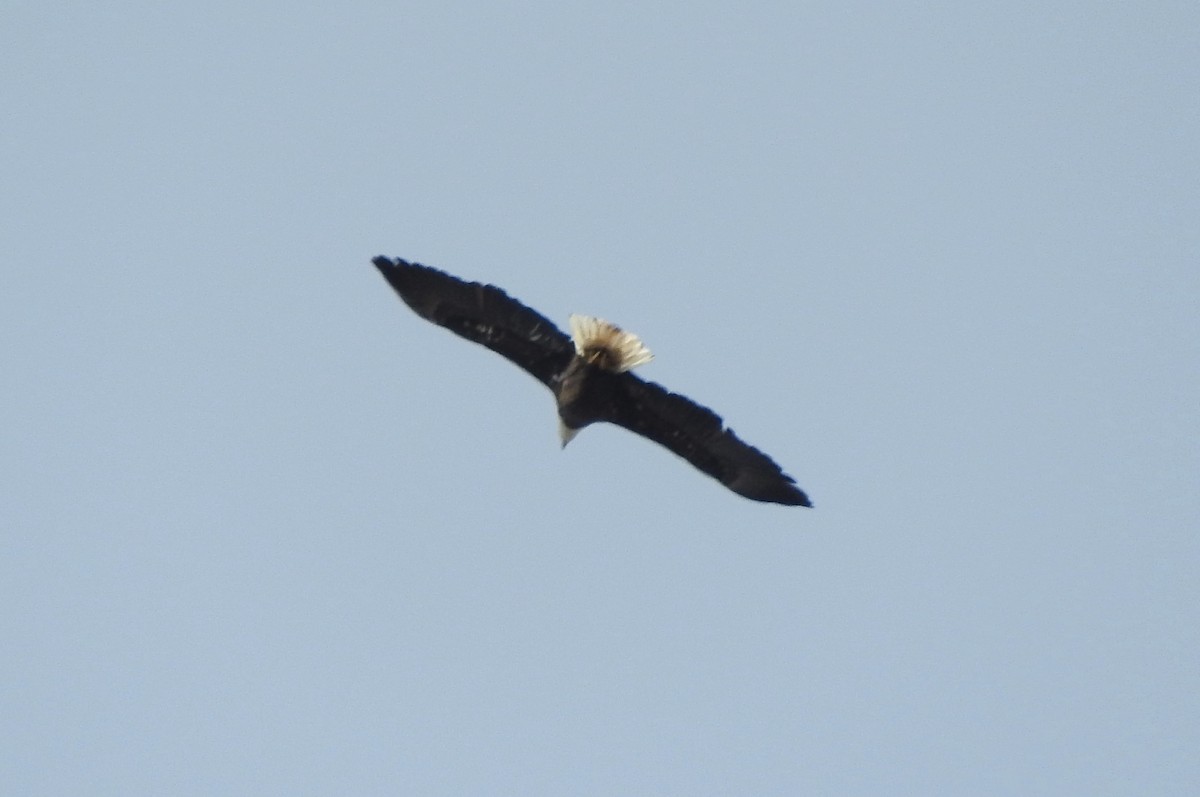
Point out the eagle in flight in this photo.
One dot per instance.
(590, 374)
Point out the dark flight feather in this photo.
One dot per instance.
(699, 435)
(482, 314)
(586, 393)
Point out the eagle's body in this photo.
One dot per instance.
(590, 376)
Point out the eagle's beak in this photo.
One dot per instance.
(565, 433)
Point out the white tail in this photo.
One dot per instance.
(607, 344)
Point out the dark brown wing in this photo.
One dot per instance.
(700, 436)
(483, 314)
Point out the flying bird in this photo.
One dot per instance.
(590, 375)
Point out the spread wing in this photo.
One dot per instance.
(483, 314)
(699, 435)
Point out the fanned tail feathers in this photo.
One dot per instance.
(607, 345)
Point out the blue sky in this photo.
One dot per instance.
(266, 531)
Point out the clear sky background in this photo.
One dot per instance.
(264, 531)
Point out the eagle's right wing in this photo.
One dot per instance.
(483, 314)
(699, 435)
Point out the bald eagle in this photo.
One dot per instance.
(590, 376)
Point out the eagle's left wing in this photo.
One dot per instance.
(483, 314)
